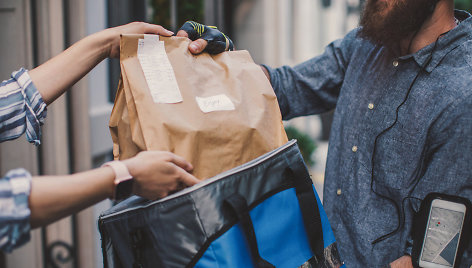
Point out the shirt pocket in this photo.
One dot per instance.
(397, 161)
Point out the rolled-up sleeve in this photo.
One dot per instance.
(22, 108)
(15, 189)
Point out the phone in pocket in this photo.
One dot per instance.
(443, 233)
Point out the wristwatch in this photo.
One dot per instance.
(123, 180)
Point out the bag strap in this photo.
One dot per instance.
(137, 245)
(239, 206)
(309, 206)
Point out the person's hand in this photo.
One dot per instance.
(131, 28)
(205, 38)
(402, 262)
(156, 174)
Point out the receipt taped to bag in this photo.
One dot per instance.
(157, 70)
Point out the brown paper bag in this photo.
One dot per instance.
(214, 141)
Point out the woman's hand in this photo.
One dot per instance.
(157, 174)
(130, 28)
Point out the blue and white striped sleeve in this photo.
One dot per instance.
(22, 108)
(15, 214)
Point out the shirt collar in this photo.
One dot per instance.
(446, 44)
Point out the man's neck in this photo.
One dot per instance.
(440, 22)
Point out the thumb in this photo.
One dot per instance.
(197, 46)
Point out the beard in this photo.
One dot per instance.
(389, 22)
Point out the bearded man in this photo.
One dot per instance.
(401, 87)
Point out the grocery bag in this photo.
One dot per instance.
(216, 111)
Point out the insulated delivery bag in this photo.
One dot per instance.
(264, 213)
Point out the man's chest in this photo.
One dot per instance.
(394, 98)
(382, 107)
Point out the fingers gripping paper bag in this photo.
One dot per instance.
(216, 111)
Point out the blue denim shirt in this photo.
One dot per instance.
(428, 149)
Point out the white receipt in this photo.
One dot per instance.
(157, 70)
(215, 103)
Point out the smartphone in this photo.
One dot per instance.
(443, 232)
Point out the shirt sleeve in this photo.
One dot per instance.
(22, 108)
(448, 157)
(313, 86)
(14, 211)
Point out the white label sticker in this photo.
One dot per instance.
(215, 103)
(157, 70)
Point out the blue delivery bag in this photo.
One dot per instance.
(265, 213)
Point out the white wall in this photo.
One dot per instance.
(269, 29)
(287, 32)
(99, 108)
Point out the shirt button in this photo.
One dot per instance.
(371, 106)
(338, 192)
(395, 63)
(354, 148)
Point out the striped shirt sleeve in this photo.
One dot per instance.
(21, 108)
(15, 189)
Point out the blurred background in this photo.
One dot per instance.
(76, 136)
